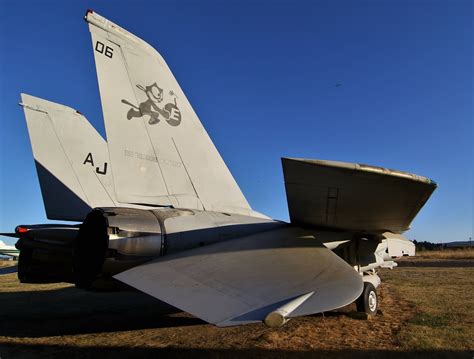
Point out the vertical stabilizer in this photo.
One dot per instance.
(71, 160)
(160, 152)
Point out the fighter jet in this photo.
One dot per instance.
(159, 210)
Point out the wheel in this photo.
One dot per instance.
(368, 302)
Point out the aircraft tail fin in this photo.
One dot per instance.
(160, 152)
(71, 159)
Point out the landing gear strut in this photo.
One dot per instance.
(368, 302)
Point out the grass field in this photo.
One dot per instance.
(444, 300)
(464, 253)
(426, 312)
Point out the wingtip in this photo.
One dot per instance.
(88, 11)
(23, 98)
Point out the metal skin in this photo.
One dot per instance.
(161, 212)
(115, 239)
(71, 159)
(356, 197)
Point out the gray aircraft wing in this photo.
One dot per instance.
(353, 196)
(243, 280)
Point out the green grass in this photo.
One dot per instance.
(444, 301)
(459, 253)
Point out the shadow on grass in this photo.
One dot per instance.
(53, 351)
(69, 311)
(8, 270)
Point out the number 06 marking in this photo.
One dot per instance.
(102, 49)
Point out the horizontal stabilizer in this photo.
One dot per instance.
(71, 160)
(353, 196)
(244, 280)
(9, 234)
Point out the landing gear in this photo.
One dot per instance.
(368, 301)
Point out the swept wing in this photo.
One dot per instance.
(353, 196)
(243, 280)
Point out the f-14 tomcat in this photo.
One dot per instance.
(161, 212)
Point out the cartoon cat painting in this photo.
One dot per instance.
(150, 107)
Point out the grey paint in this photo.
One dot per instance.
(241, 281)
(154, 161)
(142, 232)
(350, 196)
(62, 139)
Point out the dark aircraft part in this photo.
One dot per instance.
(46, 253)
(90, 249)
(36, 265)
(112, 240)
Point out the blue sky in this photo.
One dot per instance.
(261, 76)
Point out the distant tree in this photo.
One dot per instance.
(427, 246)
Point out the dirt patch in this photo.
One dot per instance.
(429, 262)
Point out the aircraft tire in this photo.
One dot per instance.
(368, 302)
